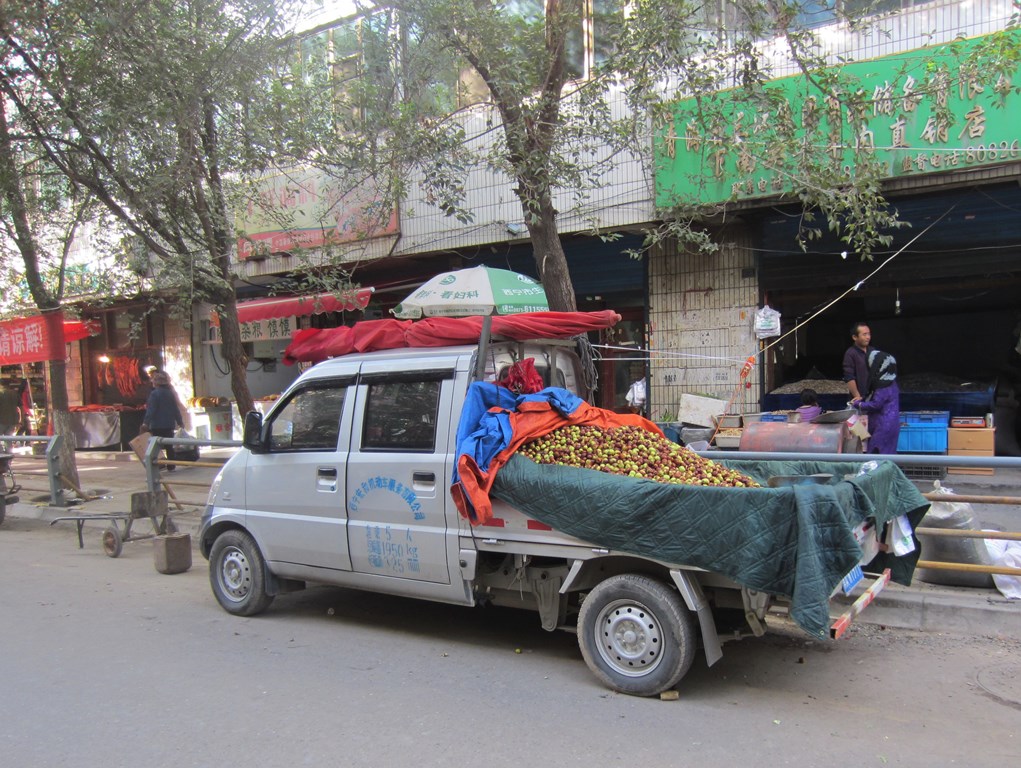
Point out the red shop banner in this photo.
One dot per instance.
(32, 339)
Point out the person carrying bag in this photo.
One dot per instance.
(162, 413)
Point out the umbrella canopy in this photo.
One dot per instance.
(474, 291)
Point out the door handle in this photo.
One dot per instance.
(326, 479)
(423, 477)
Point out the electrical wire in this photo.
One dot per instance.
(860, 283)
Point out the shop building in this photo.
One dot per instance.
(944, 296)
(947, 303)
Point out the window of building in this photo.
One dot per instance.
(593, 38)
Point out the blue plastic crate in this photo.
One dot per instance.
(922, 439)
(774, 417)
(925, 418)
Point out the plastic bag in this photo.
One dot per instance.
(899, 535)
(185, 452)
(1006, 554)
(636, 394)
(767, 323)
(948, 513)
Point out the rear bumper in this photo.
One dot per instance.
(843, 623)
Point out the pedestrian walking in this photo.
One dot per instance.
(162, 413)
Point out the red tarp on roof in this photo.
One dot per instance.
(288, 306)
(317, 344)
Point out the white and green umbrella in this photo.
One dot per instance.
(484, 291)
(475, 291)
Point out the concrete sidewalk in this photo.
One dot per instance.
(109, 478)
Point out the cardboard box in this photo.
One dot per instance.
(970, 470)
(699, 411)
(971, 439)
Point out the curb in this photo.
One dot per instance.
(930, 608)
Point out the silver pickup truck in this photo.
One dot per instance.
(346, 482)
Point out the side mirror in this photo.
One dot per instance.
(251, 437)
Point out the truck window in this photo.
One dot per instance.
(309, 422)
(401, 416)
(559, 380)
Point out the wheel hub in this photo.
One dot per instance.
(235, 574)
(630, 638)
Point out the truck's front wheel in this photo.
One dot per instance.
(636, 635)
(237, 574)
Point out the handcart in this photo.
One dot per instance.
(144, 504)
(8, 486)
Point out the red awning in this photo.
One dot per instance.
(288, 306)
(76, 330)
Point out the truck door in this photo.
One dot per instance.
(296, 489)
(398, 473)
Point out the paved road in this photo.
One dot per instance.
(109, 663)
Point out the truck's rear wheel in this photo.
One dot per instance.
(636, 635)
(237, 574)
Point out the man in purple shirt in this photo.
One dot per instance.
(856, 366)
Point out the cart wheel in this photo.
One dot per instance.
(112, 542)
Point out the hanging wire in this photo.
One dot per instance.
(859, 284)
(749, 362)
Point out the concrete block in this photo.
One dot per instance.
(172, 552)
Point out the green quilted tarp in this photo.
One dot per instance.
(795, 541)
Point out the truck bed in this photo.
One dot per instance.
(796, 541)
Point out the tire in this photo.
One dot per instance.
(636, 635)
(237, 574)
(112, 542)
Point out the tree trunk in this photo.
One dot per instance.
(234, 354)
(550, 260)
(60, 419)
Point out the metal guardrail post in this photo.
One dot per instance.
(57, 498)
(152, 469)
(150, 460)
(53, 443)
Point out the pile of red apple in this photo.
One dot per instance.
(631, 451)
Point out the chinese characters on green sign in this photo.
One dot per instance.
(918, 112)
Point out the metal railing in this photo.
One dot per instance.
(55, 479)
(924, 460)
(154, 477)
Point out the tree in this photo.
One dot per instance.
(155, 108)
(28, 199)
(558, 129)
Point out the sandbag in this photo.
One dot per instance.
(956, 515)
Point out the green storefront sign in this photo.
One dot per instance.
(924, 111)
